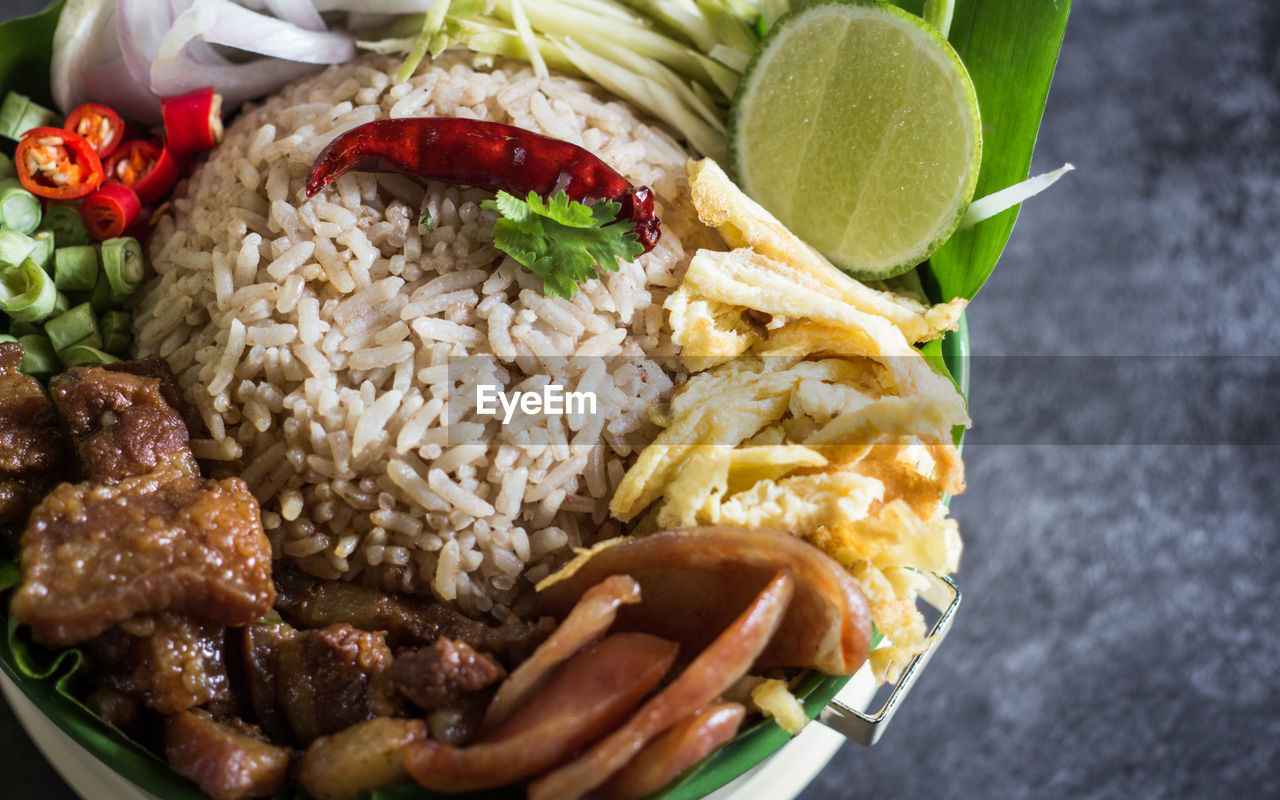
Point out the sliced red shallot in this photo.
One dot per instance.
(590, 695)
(663, 759)
(707, 676)
(695, 580)
(587, 622)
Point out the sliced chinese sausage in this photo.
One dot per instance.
(589, 619)
(663, 759)
(589, 695)
(362, 757)
(695, 580)
(707, 676)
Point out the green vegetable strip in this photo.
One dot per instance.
(27, 292)
(82, 355)
(19, 209)
(75, 269)
(66, 225)
(42, 253)
(77, 326)
(938, 13)
(7, 170)
(432, 21)
(38, 357)
(122, 264)
(6, 338)
(19, 115)
(117, 331)
(15, 247)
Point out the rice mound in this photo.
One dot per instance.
(321, 338)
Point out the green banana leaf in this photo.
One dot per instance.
(1010, 48)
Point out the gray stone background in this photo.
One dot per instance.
(1118, 636)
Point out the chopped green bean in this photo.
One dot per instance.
(83, 355)
(38, 357)
(77, 326)
(117, 332)
(122, 262)
(15, 247)
(61, 305)
(27, 292)
(6, 338)
(19, 328)
(101, 295)
(19, 115)
(19, 209)
(75, 269)
(7, 170)
(66, 225)
(42, 253)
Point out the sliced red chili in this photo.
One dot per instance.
(100, 125)
(57, 164)
(192, 121)
(110, 211)
(145, 166)
(488, 155)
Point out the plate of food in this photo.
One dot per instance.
(491, 398)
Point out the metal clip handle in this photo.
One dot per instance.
(867, 729)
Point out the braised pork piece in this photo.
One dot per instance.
(228, 761)
(144, 533)
(408, 620)
(34, 453)
(170, 662)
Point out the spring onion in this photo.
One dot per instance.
(122, 264)
(15, 247)
(68, 229)
(83, 355)
(77, 326)
(116, 328)
(27, 292)
(75, 269)
(38, 356)
(19, 209)
(42, 253)
(19, 115)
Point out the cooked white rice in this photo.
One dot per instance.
(315, 336)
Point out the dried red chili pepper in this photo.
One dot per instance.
(488, 155)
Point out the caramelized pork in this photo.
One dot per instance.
(227, 762)
(34, 453)
(95, 555)
(408, 620)
(306, 684)
(121, 424)
(440, 674)
(156, 367)
(170, 662)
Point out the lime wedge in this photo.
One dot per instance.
(858, 127)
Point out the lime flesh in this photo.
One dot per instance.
(858, 127)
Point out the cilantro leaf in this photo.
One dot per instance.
(563, 241)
